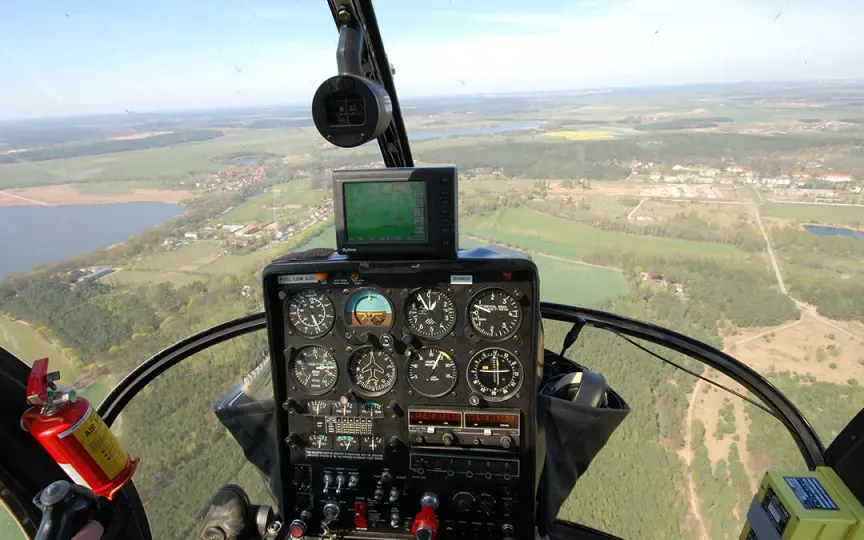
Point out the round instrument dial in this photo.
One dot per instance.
(310, 312)
(431, 313)
(314, 369)
(495, 314)
(372, 371)
(368, 307)
(432, 372)
(495, 374)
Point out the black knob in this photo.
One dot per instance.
(506, 442)
(487, 504)
(394, 443)
(294, 439)
(379, 494)
(507, 530)
(394, 410)
(447, 438)
(463, 501)
(385, 477)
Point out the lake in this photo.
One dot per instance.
(34, 235)
(488, 130)
(827, 230)
(245, 160)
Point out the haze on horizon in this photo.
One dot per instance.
(103, 57)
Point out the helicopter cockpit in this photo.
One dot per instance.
(403, 387)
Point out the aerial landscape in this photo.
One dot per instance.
(733, 213)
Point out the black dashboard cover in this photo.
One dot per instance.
(573, 434)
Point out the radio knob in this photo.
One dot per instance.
(506, 442)
(507, 531)
(487, 503)
(463, 501)
(447, 438)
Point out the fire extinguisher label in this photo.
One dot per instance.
(99, 442)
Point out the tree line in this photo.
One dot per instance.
(110, 146)
(684, 225)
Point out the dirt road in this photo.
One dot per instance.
(688, 455)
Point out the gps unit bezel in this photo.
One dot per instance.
(442, 211)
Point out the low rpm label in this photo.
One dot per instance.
(100, 443)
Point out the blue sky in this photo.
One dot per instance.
(67, 58)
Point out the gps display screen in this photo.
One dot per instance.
(385, 211)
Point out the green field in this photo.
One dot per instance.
(291, 200)
(139, 277)
(155, 165)
(9, 529)
(23, 341)
(541, 232)
(189, 258)
(814, 213)
(570, 283)
(96, 392)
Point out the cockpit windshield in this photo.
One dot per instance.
(694, 165)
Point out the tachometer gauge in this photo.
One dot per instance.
(314, 369)
(495, 314)
(432, 372)
(495, 374)
(372, 371)
(367, 307)
(310, 313)
(431, 313)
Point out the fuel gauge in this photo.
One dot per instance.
(319, 407)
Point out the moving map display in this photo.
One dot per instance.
(385, 211)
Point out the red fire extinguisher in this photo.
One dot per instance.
(69, 428)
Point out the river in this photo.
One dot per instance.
(828, 230)
(34, 235)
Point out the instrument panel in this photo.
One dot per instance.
(406, 382)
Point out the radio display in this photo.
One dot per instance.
(435, 418)
(492, 420)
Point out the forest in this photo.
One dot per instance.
(610, 159)
(109, 146)
(685, 225)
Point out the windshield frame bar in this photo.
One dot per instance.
(807, 440)
(393, 142)
(805, 437)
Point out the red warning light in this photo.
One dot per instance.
(507, 274)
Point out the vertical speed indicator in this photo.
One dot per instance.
(495, 314)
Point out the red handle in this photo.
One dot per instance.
(37, 383)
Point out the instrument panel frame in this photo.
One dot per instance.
(522, 281)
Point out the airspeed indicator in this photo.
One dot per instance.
(431, 313)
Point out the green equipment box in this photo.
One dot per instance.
(808, 505)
